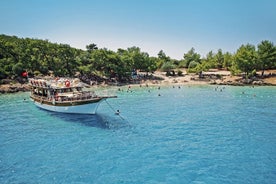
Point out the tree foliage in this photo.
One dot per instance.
(191, 56)
(36, 56)
(246, 58)
(266, 55)
(18, 55)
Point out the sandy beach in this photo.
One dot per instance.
(219, 77)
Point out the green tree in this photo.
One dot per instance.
(168, 67)
(246, 59)
(190, 56)
(227, 60)
(266, 55)
(67, 59)
(126, 58)
(99, 58)
(209, 61)
(152, 64)
(138, 58)
(18, 68)
(219, 58)
(91, 47)
(162, 58)
(84, 63)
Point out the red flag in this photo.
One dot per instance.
(24, 74)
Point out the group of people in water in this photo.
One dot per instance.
(129, 88)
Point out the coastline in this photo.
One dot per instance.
(209, 78)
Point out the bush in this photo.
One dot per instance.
(252, 74)
(193, 64)
(179, 73)
(183, 64)
(17, 69)
(170, 73)
(167, 67)
(37, 73)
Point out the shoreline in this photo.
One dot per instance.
(209, 78)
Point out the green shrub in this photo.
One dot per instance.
(179, 73)
(193, 64)
(37, 73)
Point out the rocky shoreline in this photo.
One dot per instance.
(14, 88)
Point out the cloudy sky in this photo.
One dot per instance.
(175, 26)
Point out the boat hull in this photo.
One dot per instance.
(87, 108)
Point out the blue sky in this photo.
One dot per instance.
(175, 26)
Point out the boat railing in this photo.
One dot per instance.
(74, 99)
(64, 98)
(77, 97)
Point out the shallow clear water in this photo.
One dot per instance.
(189, 135)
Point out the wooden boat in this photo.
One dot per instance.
(64, 95)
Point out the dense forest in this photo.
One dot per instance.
(41, 57)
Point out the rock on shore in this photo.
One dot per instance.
(13, 88)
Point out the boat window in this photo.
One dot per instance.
(76, 89)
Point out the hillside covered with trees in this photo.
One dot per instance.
(41, 57)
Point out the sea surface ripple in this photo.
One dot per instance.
(185, 134)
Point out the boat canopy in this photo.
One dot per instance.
(57, 83)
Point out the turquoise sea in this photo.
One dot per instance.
(197, 134)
